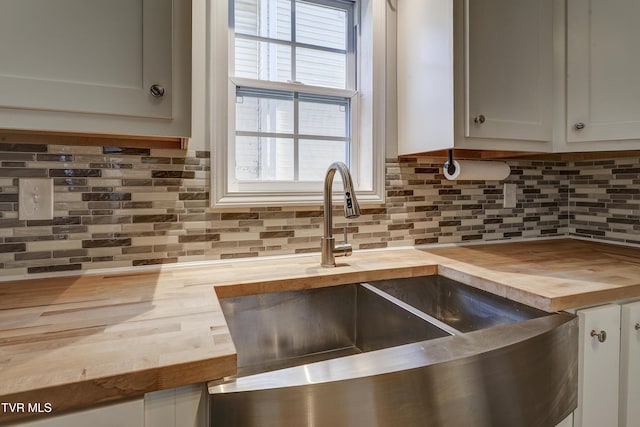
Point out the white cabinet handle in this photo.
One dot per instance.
(637, 326)
(602, 335)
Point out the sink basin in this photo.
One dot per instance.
(278, 330)
(457, 305)
(424, 351)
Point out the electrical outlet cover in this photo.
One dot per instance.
(35, 199)
(509, 196)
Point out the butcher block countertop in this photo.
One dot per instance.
(551, 275)
(78, 340)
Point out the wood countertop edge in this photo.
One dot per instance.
(224, 290)
(79, 394)
(478, 281)
(594, 298)
(476, 278)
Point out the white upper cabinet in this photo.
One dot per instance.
(425, 75)
(475, 74)
(603, 65)
(99, 66)
(508, 73)
(528, 75)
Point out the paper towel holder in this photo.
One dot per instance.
(473, 170)
(451, 167)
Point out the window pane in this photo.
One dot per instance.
(247, 160)
(321, 25)
(264, 114)
(269, 159)
(320, 68)
(263, 18)
(323, 118)
(262, 60)
(316, 156)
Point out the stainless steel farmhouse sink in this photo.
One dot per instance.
(424, 351)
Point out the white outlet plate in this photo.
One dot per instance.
(35, 199)
(509, 195)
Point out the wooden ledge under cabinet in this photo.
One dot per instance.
(72, 138)
(461, 153)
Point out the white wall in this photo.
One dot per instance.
(198, 141)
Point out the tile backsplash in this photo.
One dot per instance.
(119, 207)
(605, 199)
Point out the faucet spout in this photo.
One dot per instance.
(351, 210)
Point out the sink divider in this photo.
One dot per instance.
(422, 315)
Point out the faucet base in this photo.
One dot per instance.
(327, 245)
(330, 250)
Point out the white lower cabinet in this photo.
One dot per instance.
(121, 414)
(608, 367)
(598, 366)
(567, 422)
(629, 415)
(177, 407)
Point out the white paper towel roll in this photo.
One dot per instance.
(477, 170)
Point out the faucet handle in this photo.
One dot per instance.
(343, 249)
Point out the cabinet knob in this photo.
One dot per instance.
(637, 326)
(157, 91)
(602, 335)
(579, 126)
(479, 119)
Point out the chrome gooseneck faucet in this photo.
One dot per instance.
(351, 210)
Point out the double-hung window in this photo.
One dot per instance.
(293, 101)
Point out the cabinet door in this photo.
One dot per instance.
(86, 56)
(630, 365)
(567, 422)
(603, 65)
(425, 75)
(509, 66)
(123, 414)
(598, 366)
(177, 407)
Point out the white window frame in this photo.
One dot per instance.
(367, 120)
